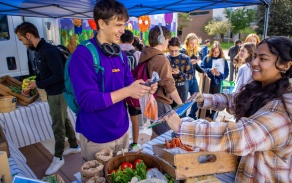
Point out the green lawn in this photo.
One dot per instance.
(226, 46)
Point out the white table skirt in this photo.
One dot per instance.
(17, 162)
(30, 124)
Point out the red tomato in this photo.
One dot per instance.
(110, 172)
(126, 165)
(136, 162)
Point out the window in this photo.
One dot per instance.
(4, 33)
(199, 13)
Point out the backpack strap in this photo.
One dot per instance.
(121, 55)
(132, 51)
(96, 60)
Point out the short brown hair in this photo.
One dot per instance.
(108, 10)
(27, 27)
(155, 32)
(174, 41)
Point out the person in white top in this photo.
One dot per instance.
(246, 54)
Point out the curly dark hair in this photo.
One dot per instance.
(254, 96)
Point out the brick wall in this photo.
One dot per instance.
(197, 26)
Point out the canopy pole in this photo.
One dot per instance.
(267, 12)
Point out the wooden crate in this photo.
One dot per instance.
(7, 81)
(183, 166)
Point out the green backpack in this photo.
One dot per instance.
(69, 91)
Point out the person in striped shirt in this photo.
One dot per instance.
(262, 133)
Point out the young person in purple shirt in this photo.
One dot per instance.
(102, 120)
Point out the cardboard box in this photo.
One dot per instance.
(3, 143)
(204, 87)
(4, 168)
(7, 81)
(183, 166)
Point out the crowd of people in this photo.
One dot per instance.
(261, 101)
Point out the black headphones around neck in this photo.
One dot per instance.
(109, 50)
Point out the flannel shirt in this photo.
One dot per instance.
(263, 140)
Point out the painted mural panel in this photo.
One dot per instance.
(74, 31)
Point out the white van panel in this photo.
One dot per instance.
(11, 48)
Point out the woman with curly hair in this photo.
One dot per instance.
(263, 110)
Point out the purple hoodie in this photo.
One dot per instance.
(99, 120)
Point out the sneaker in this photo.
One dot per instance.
(70, 150)
(133, 147)
(55, 165)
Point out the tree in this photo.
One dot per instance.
(217, 26)
(280, 18)
(184, 20)
(240, 18)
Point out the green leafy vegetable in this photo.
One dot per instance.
(169, 178)
(127, 174)
(50, 179)
(18, 89)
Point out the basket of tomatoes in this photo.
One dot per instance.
(124, 167)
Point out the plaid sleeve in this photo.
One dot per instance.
(265, 130)
(218, 102)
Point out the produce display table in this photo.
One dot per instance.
(25, 126)
(29, 124)
(147, 147)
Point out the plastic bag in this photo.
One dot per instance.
(176, 150)
(155, 173)
(152, 180)
(148, 106)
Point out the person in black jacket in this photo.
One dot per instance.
(51, 78)
(232, 52)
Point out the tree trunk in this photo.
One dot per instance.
(222, 37)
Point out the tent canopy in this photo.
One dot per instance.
(83, 8)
